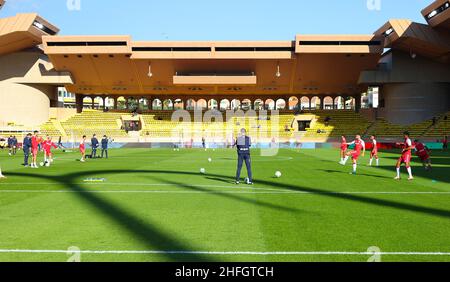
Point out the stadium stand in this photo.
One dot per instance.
(340, 122)
(94, 122)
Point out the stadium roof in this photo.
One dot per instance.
(437, 14)
(310, 64)
(416, 38)
(23, 31)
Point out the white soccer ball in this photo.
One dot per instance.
(41, 164)
(209, 160)
(47, 164)
(202, 170)
(278, 174)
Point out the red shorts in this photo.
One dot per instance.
(47, 152)
(355, 155)
(34, 151)
(82, 149)
(423, 156)
(405, 158)
(373, 153)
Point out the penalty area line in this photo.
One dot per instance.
(232, 253)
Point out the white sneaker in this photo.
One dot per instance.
(397, 178)
(82, 161)
(410, 178)
(341, 163)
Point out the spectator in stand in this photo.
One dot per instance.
(327, 121)
(105, 142)
(433, 121)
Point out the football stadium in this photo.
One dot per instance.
(118, 150)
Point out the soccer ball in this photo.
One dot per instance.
(202, 171)
(42, 164)
(277, 174)
(47, 164)
(209, 160)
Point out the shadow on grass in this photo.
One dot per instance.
(358, 173)
(231, 196)
(154, 238)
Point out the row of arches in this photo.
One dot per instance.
(305, 102)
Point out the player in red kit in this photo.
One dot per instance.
(344, 148)
(406, 157)
(422, 152)
(48, 145)
(374, 152)
(36, 140)
(360, 149)
(83, 149)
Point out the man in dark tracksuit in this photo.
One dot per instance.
(14, 143)
(10, 142)
(94, 144)
(243, 144)
(26, 149)
(105, 146)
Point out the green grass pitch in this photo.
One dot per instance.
(156, 206)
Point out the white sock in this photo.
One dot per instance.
(409, 172)
(398, 172)
(1, 175)
(378, 161)
(345, 159)
(354, 167)
(370, 162)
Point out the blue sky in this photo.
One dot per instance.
(217, 20)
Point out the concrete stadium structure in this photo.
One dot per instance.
(413, 75)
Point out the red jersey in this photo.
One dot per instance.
(359, 145)
(344, 145)
(375, 146)
(407, 144)
(48, 146)
(35, 141)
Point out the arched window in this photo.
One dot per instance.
(178, 104)
(121, 103)
(224, 105)
(315, 103)
(328, 103)
(235, 104)
(98, 103)
(143, 104)
(190, 104)
(157, 105)
(293, 103)
(258, 105)
(201, 104)
(270, 104)
(305, 103)
(281, 104)
(339, 103)
(167, 105)
(246, 104)
(87, 103)
(212, 104)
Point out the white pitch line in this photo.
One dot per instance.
(282, 253)
(223, 192)
(145, 184)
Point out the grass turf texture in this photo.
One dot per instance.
(306, 210)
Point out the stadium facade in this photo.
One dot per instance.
(407, 63)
